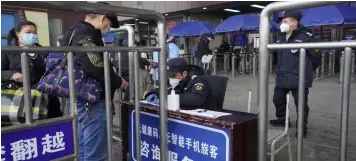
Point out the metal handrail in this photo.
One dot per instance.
(264, 76)
(66, 49)
(103, 9)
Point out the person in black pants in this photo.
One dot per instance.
(287, 78)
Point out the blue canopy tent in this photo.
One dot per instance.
(329, 15)
(248, 22)
(193, 28)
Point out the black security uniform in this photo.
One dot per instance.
(92, 63)
(194, 92)
(287, 78)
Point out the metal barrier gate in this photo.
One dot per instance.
(133, 71)
(263, 79)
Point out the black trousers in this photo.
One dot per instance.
(280, 102)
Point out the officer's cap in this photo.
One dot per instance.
(176, 65)
(113, 18)
(294, 14)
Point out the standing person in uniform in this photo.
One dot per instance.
(287, 78)
(92, 132)
(194, 92)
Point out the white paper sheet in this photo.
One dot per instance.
(205, 113)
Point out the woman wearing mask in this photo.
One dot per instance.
(92, 132)
(25, 34)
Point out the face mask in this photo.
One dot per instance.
(105, 33)
(29, 39)
(284, 27)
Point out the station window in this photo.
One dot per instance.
(8, 21)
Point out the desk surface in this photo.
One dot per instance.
(229, 121)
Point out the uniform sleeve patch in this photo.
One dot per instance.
(199, 86)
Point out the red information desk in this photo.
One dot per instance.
(227, 138)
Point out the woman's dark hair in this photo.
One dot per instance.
(12, 33)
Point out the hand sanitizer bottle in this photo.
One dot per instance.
(173, 98)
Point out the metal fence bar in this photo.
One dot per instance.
(27, 87)
(108, 103)
(263, 79)
(233, 65)
(322, 65)
(301, 99)
(66, 49)
(342, 65)
(330, 62)
(163, 90)
(137, 108)
(73, 100)
(345, 103)
(353, 65)
(318, 45)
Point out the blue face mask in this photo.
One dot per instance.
(29, 39)
(105, 33)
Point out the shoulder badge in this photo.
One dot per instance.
(194, 76)
(199, 86)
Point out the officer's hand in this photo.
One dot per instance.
(156, 101)
(152, 97)
(154, 65)
(124, 84)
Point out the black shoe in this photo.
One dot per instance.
(279, 123)
(305, 132)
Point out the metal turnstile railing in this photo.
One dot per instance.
(263, 91)
(133, 59)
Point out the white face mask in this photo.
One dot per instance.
(284, 27)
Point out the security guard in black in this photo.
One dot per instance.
(194, 92)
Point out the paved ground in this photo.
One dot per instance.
(324, 120)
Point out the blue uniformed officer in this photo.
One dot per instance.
(287, 78)
(193, 90)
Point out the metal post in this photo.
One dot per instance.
(225, 63)
(345, 97)
(27, 88)
(73, 100)
(233, 66)
(163, 89)
(270, 62)
(214, 65)
(301, 96)
(149, 34)
(353, 65)
(330, 62)
(342, 63)
(322, 65)
(108, 104)
(131, 73)
(317, 73)
(254, 68)
(263, 82)
(243, 63)
(334, 58)
(137, 108)
(250, 62)
(186, 40)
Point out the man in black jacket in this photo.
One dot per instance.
(92, 117)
